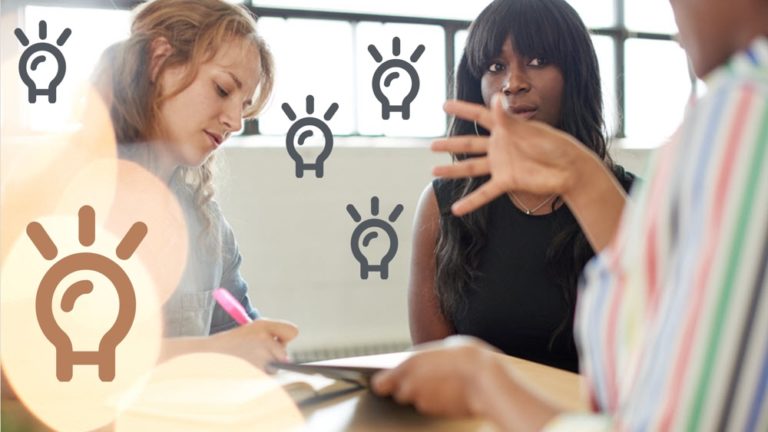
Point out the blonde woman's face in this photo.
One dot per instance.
(201, 117)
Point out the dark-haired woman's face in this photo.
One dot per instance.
(532, 88)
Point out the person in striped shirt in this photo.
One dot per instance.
(672, 317)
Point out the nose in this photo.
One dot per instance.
(516, 82)
(231, 117)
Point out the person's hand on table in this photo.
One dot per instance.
(519, 155)
(259, 342)
(464, 377)
(448, 378)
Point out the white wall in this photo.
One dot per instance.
(294, 234)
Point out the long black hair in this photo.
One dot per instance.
(548, 29)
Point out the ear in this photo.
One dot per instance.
(159, 50)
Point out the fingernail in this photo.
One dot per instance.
(456, 209)
(378, 381)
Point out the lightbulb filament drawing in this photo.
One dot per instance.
(291, 142)
(388, 106)
(366, 231)
(66, 357)
(42, 88)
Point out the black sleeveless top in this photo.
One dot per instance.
(514, 302)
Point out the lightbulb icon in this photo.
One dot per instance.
(291, 141)
(66, 357)
(366, 231)
(43, 88)
(390, 68)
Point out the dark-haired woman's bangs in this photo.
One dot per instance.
(532, 29)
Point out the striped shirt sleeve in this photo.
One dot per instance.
(673, 318)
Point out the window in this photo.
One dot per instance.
(337, 67)
(606, 56)
(645, 76)
(93, 30)
(657, 88)
(596, 13)
(653, 16)
(427, 118)
(443, 9)
(307, 64)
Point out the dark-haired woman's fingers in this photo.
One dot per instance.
(473, 167)
(481, 196)
(462, 144)
(470, 111)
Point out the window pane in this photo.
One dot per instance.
(459, 42)
(447, 9)
(653, 16)
(595, 13)
(604, 47)
(93, 30)
(701, 88)
(426, 117)
(657, 88)
(321, 66)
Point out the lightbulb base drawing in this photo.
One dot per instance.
(66, 356)
(302, 166)
(34, 92)
(49, 89)
(376, 82)
(371, 225)
(379, 82)
(310, 123)
(366, 269)
(104, 359)
(387, 109)
(367, 230)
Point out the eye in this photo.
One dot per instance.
(220, 90)
(496, 67)
(538, 62)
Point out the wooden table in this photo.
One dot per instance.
(362, 411)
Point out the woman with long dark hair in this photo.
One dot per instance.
(508, 272)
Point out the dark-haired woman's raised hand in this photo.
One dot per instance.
(531, 156)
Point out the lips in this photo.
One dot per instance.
(215, 138)
(524, 111)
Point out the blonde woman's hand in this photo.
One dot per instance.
(259, 342)
(519, 155)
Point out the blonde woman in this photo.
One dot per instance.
(177, 88)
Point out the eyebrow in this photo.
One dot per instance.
(237, 81)
(239, 85)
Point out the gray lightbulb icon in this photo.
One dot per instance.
(25, 65)
(390, 68)
(291, 141)
(66, 356)
(366, 231)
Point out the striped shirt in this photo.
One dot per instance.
(672, 320)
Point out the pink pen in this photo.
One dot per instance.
(231, 306)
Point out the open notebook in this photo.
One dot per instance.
(308, 388)
(218, 398)
(321, 380)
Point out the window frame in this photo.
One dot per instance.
(619, 33)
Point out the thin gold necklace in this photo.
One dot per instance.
(526, 209)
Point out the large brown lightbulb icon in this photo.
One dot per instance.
(66, 357)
